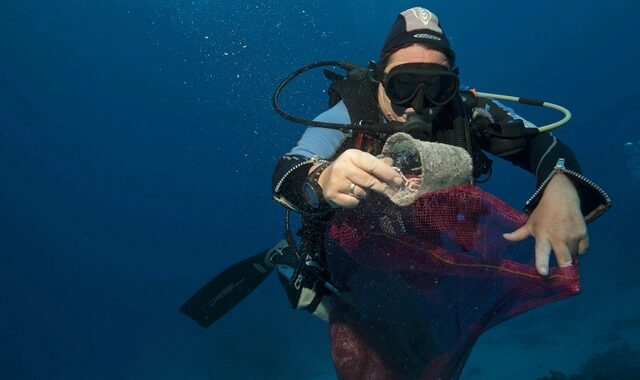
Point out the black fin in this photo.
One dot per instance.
(229, 288)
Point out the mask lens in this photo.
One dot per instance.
(403, 82)
(402, 88)
(446, 88)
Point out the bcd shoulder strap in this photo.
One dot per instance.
(357, 91)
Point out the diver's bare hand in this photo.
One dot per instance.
(351, 177)
(556, 223)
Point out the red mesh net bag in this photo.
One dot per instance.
(427, 280)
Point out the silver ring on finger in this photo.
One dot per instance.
(352, 190)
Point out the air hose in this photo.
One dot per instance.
(533, 102)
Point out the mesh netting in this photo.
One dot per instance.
(427, 280)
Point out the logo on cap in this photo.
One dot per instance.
(423, 15)
(427, 36)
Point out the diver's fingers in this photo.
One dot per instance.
(354, 166)
(356, 191)
(376, 168)
(583, 245)
(519, 234)
(387, 160)
(361, 193)
(563, 255)
(365, 180)
(543, 251)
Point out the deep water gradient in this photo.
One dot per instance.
(137, 143)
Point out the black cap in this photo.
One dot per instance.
(417, 25)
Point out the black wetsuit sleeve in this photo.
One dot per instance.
(288, 176)
(538, 154)
(541, 155)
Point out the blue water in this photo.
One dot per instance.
(137, 143)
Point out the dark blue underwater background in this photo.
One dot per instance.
(137, 143)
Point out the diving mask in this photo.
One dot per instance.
(426, 84)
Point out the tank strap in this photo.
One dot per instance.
(357, 91)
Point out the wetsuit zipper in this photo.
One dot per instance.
(560, 168)
(310, 160)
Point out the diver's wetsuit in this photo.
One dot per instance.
(539, 156)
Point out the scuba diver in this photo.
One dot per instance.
(416, 85)
(414, 88)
